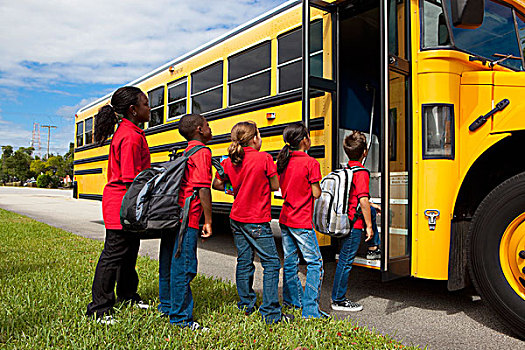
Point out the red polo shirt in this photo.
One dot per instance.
(128, 156)
(358, 189)
(196, 175)
(296, 187)
(251, 186)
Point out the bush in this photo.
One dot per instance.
(43, 181)
(55, 181)
(48, 181)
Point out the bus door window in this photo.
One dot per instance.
(397, 244)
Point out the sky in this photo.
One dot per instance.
(58, 55)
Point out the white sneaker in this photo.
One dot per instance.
(141, 305)
(109, 320)
(346, 305)
(197, 327)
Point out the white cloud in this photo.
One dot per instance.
(67, 112)
(46, 45)
(110, 42)
(13, 134)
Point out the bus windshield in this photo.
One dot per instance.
(495, 39)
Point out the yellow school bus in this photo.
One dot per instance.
(437, 87)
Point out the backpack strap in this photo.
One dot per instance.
(186, 209)
(214, 161)
(193, 150)
(185, 219)
(358, 212)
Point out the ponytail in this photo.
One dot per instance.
(241, 135)
(293, 134)
(236, 152)
(108, 116)
(283, 158)
(105, 122)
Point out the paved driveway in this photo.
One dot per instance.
(413, 311)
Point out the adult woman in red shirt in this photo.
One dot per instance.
(128, 156)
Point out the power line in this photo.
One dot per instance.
(49, 127)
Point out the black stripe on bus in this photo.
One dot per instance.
(91, 160)
(91, 146)
(88, 171)
(268, 102)
(96, 197)
(316, 152)
(274, 130)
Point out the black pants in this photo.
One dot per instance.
(116, 264)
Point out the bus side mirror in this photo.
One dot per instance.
(467, 14)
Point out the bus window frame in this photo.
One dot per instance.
(298, 58)
(81, 135)
(92, 130)
(177, 82)
(251, 75)
(221, 86)
(162, 121)
(422, 46)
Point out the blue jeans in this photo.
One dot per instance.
(376, 239)
(250, 238)
(305, 240)
(175, 275)
(349, 246)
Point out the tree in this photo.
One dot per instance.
(68, 159)
(20, 163)
(38, 167)
(56, 166)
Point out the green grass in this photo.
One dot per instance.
(45, 285)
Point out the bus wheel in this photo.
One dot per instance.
(496, 252)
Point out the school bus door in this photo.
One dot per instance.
(395, 143)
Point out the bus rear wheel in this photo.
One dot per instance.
(496, 252)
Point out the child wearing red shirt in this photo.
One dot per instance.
(299, 176)
(354, 146)
(128, 156)
(176, 272)
(253, 177)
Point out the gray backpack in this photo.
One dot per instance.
(331, 208)
(151, 202)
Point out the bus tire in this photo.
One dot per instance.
(496, 240)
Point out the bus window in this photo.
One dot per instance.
(177, 99)
(156, 103)
(80, 134)
(289, 54)
(434, 30)
(89, 131)
(249, 74)
(206, 89)
(494, 39)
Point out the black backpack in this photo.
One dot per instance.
(151, 202)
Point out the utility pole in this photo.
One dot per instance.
(49, 127)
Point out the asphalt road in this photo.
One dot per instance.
(414, 311)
